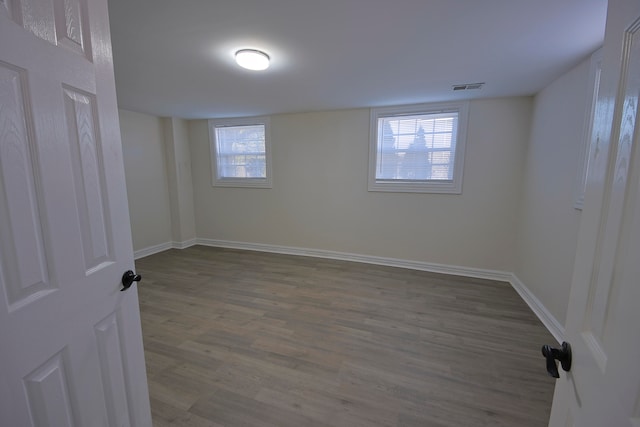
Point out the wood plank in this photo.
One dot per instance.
(247, 338)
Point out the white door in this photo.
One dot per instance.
(602, 389)
(70, 342)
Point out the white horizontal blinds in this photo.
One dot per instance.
(417, 147)
(241, 151)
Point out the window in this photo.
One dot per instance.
(418, 148)
(240, 152)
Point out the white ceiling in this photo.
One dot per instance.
(175, 57)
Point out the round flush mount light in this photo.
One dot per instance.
(252, 59)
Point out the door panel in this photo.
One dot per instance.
(88, 169)
(603, 386)
(37, 17)
(72, 26)
(48, 393)
(112, 371)
(71, 341)
(23, 263)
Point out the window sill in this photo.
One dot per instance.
(243, 183)
(436, 187)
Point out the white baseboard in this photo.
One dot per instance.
(141, 253)
(367, 259)
(150, 250)
(547, 319)
(183, 245)
(545, 316)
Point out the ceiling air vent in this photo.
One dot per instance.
(468, 86)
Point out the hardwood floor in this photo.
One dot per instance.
(239, 338)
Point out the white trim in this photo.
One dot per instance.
(141, 253)
(548, 320)
(184, 245)
(150, 250)
(367, 259)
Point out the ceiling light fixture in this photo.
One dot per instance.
(252, 59)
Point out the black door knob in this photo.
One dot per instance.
(128, 278)
(563, 355)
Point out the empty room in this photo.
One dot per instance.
(336, 213)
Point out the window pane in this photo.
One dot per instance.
(442, 140)
(241, 151)
(418, 147)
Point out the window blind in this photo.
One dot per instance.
(241, 151)
(417, 147)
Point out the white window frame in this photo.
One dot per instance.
(240, 182)
(453, 186)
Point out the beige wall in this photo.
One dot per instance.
(319, 198)
(515, 213)
(145, 171)
(548, 224)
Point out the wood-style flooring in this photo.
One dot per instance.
(240, 338)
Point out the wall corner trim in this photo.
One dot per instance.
(548, 320)
(184, 245)
(150, 250)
